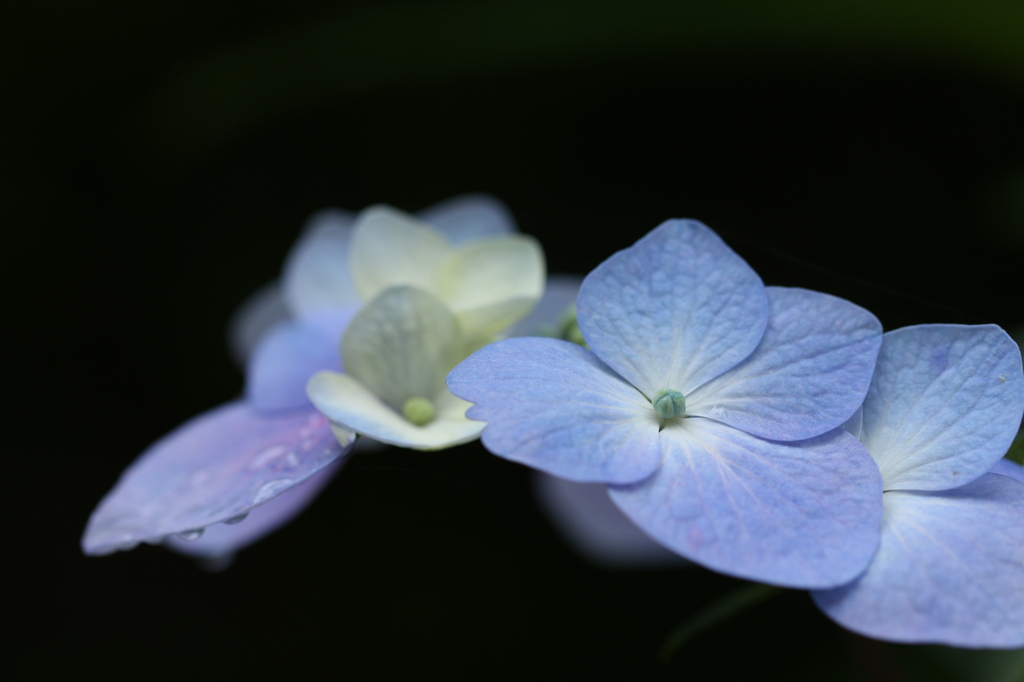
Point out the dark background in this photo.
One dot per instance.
(889, 174)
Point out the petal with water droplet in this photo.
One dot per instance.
(212, 468)
(240, 531)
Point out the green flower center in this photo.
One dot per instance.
(419, 410)
(669, 403)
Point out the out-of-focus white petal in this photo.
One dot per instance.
(316, 271)
(390, 248)
(560, 293)
(467, 217)
(401, 345)
(492, 283)
(349, 403)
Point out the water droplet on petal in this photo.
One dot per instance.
(272, 489)
(236, 519)
(267, 455)
(191, 535)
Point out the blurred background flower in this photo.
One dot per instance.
(157, 159)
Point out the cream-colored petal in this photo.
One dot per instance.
(401, 345)
(485, 322)
(346, 401)
(489, 272)
(392, 248)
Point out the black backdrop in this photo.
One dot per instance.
(868, 174)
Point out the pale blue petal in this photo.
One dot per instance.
(674, 310)
(596, 528)
(950, 570)
(468, 217)
(944, 404)
(263, 310)
(316, 271)
(808, 375)
(798, 514)
(289, 355)
(560, 293)
(554, 406)
(211, 469)
(1007, 467)
(224, 539)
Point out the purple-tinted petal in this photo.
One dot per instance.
(559, 294)
(224, 539)
(944, 404)
(213, 468)
(263, 310)
(594, 526)
(674, 310)
(316, 271)
(807, 376)
(468, 217)
(1007, 467)
(950, 570)
(554, 406)
(289, 355)
(796, 514)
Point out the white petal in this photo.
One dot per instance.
(346, 401)
(559, 294)
(391, 248)
(401, 345)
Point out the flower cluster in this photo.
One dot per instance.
(768, 433)
(405, 298)
(713, 409)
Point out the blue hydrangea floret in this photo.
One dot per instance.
(708, 403)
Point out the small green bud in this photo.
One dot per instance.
(669, 403)
(419, 411)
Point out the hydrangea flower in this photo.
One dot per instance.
(708, 403)
(943, 407)
(432, 305)
(263, 459)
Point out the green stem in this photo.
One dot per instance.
(717, 612)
